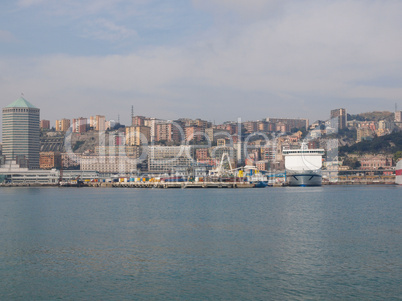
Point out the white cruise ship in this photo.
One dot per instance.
(398, 173)
(303, 166)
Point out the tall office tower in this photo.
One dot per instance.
(21, 133)
(342, 117)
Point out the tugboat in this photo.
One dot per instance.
(255, 177)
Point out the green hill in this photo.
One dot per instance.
(372, 116)
(388, 144)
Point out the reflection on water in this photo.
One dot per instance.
(285, 243)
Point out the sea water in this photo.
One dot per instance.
(322, 243)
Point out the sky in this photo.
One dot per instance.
(212, 59)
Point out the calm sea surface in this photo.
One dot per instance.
(326, 243)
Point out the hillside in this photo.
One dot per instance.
(372, 116)
(388, 144)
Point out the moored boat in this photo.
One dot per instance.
(303, 166)
(398, 173)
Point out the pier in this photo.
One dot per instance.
(166, 185)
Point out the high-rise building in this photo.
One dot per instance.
(97, 123)
(194, 133)
(100, 123)
(44, 124)
(138, 135)
(151, 123)
(340, 116)
(62, 125)
(138, 120)
(80, 125)
(21, 132)
(167, 131)
(398, 116)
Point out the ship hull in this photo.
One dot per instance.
(398, 173)
(305, 179)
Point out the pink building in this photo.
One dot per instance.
(167, 131)
(45, 124)
(194, 133)
(376, 162)
(201, 153)
(80, 125)
(262, 165)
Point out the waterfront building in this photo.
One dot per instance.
(262, 165)
(162, 159)
(49, 160)
(62, 125)
(70, 160)
(376, 162)
(109, 164)
(340, 116)
(11, 172)
(21, 133)
(118, 150)
(138, 135)
(45, 124)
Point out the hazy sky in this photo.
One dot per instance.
(213, 59)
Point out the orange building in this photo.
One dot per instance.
(62, 125)
(49, 160)
(45, 124)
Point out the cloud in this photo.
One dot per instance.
(79, 8)
(243, 7)
(102, 29)
(312, 58)
(29, 3)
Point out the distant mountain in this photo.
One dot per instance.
(372, 116)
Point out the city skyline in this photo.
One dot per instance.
(216, 60)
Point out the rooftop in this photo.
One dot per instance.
(21, 103)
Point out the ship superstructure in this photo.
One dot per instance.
(303, 166)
